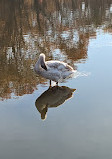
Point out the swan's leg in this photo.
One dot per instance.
(50, 83)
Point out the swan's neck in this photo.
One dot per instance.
(39, 63)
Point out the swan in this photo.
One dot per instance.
(53, 70)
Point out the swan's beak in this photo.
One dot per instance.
(44, 66)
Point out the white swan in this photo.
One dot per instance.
(53, 70)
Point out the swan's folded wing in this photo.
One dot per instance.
(61, 66)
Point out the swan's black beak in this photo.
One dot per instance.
(44, 67)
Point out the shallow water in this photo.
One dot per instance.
(77, 115)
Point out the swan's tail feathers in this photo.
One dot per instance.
(72, 74)
(73, 90)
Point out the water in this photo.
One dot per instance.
(78, 121)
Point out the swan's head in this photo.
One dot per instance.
(42, 57)
(41, 61)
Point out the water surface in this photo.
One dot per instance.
(78, 124)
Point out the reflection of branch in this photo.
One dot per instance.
(46, 21)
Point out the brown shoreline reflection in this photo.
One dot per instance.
(53, 97)
(59, 29)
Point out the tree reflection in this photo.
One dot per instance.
(50, 26)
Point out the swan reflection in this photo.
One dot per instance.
(53, 97)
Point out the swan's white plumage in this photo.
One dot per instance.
(56, 70)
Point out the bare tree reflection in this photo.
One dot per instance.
(50, 26)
